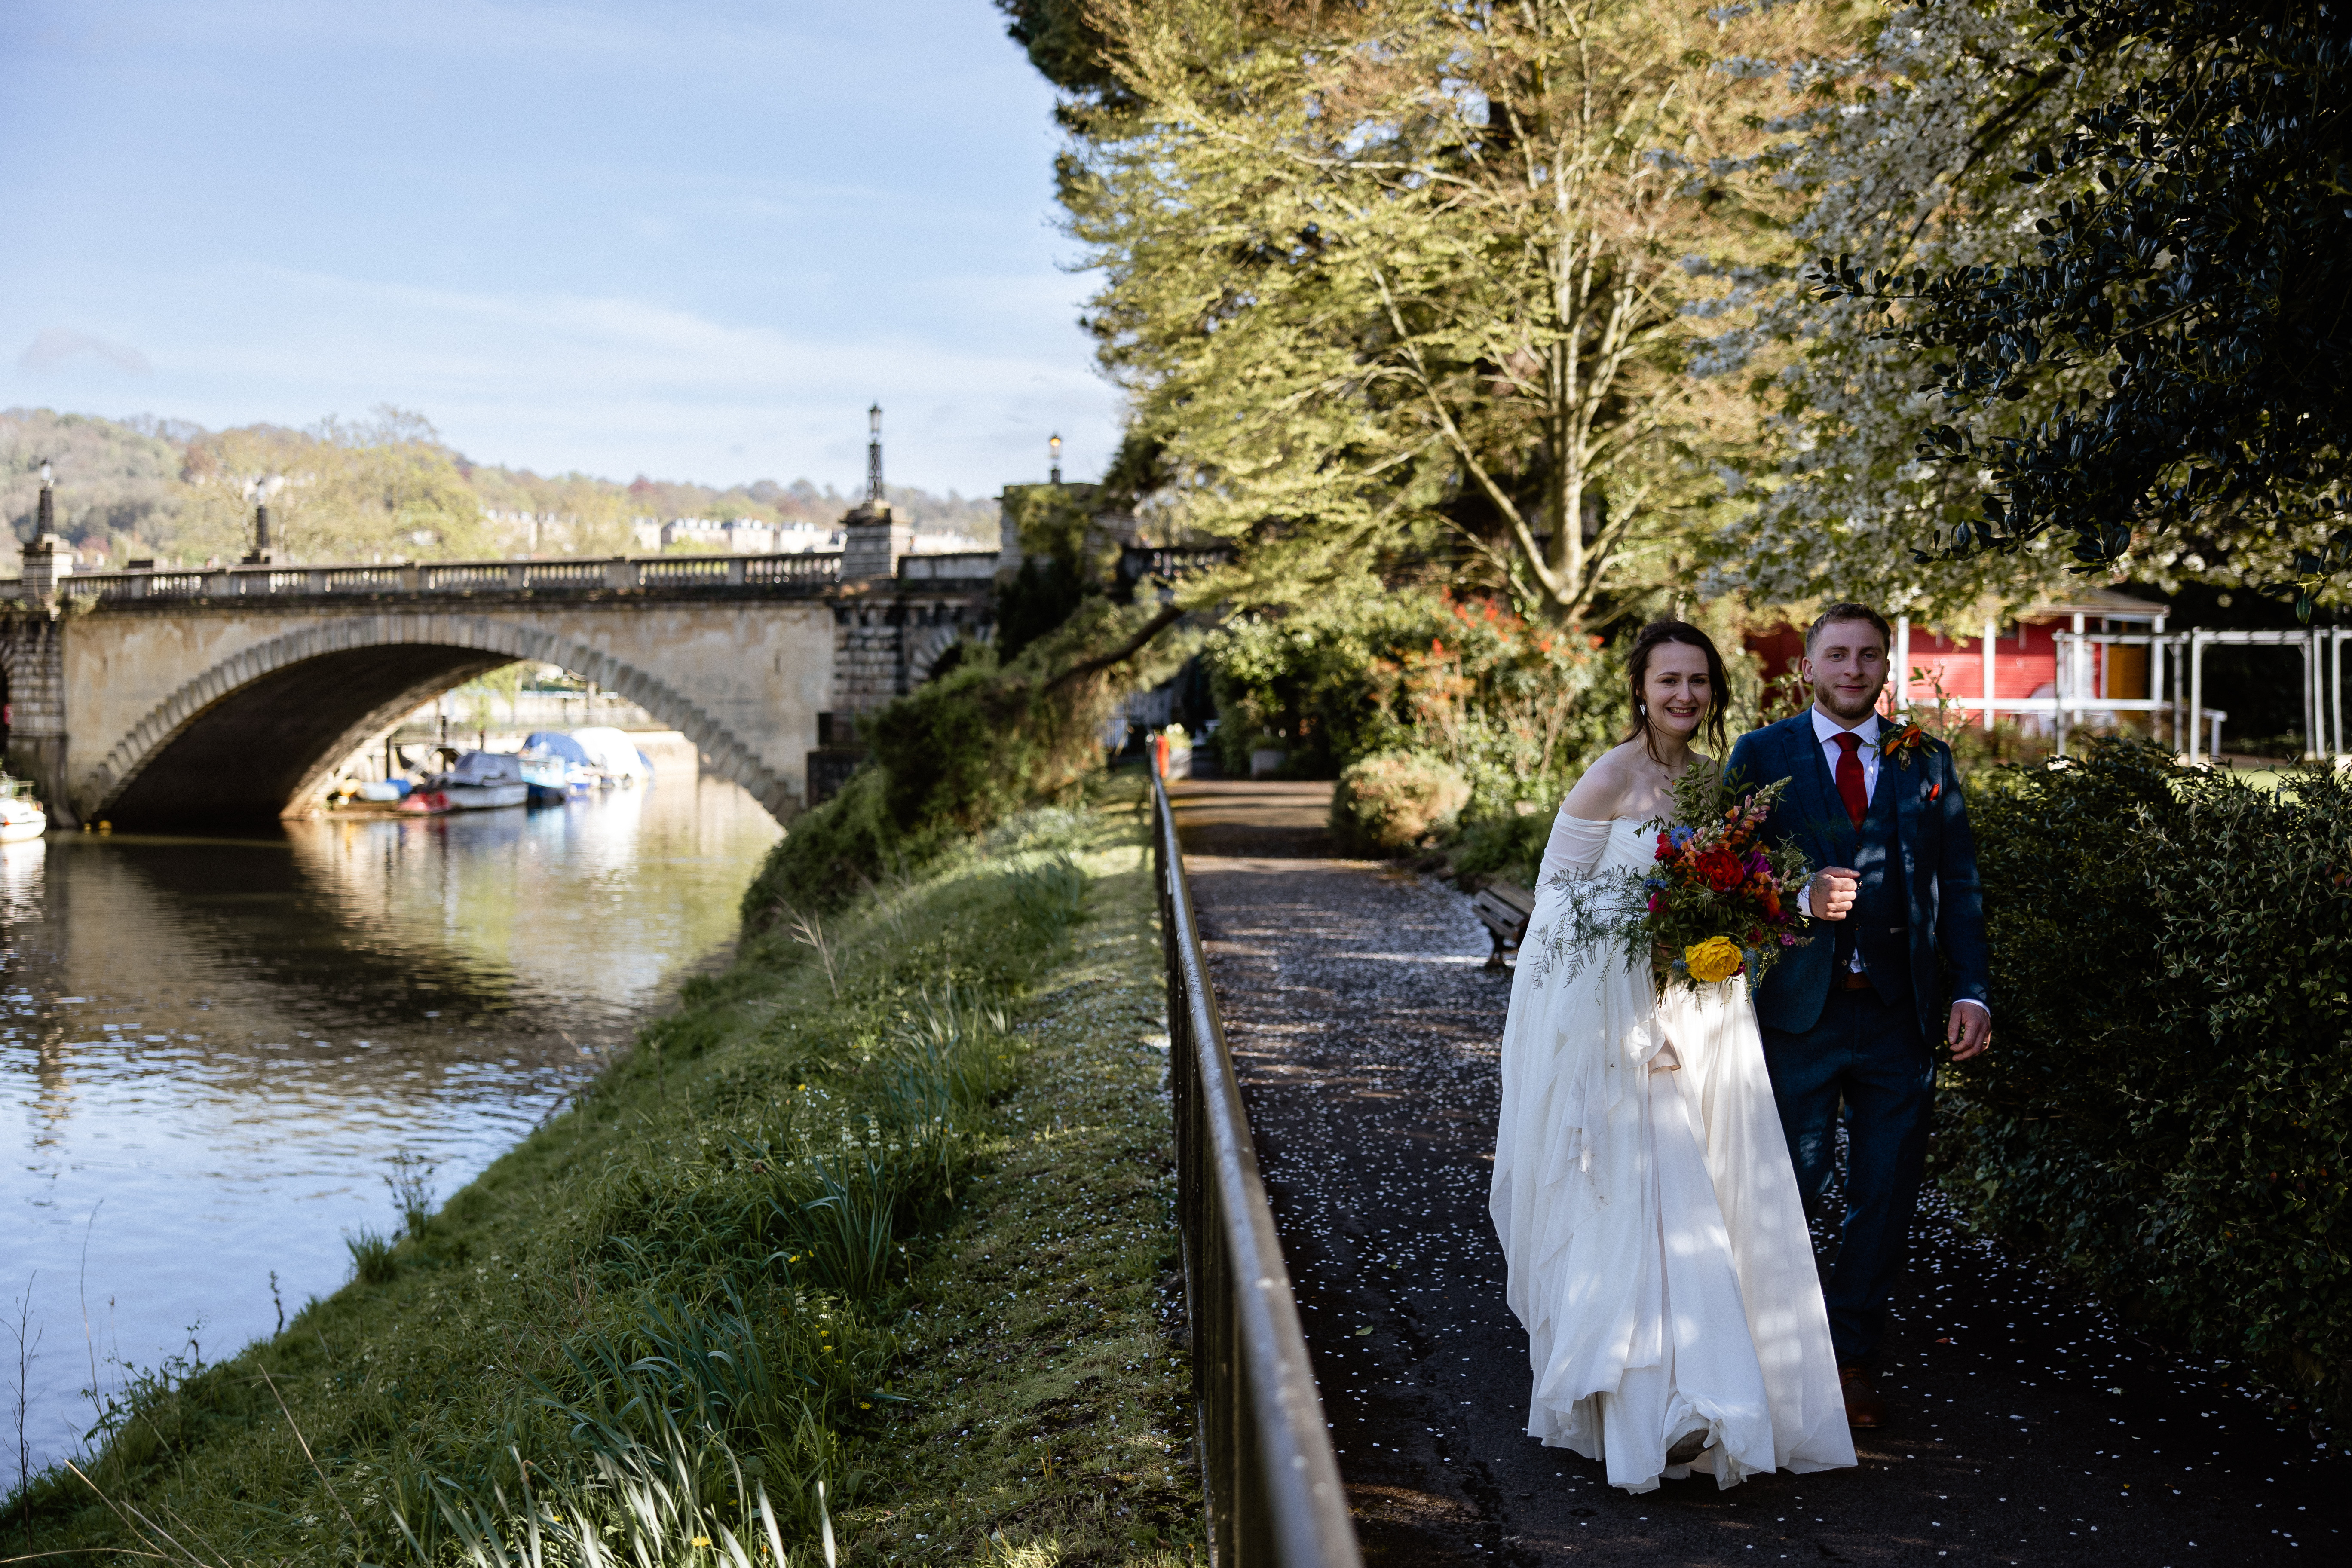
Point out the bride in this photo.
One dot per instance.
(1648, 1211)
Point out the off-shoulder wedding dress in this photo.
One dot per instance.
(1650, 1218)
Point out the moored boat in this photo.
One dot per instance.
(21, 817)
(611, 753)
(546, 778)
(481, 781)
(580, 774)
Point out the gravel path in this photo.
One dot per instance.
(2028, 1428)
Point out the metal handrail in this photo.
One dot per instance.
(1271, 1478)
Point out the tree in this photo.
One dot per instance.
(112, 481)
(385, 487)
(2203, 276)
(1903, 155)
(1381, 270)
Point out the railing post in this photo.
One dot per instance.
(2197, 694)
(620, 572)
(737, 571)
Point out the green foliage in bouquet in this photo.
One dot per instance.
(1716, 901)
(2167, 1112)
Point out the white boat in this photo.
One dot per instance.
(21, 815)
(481, 780)
(613, 754)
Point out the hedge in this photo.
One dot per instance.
(2166, 1110)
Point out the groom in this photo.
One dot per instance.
(1899, 927)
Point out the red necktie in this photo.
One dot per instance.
(1849, 776)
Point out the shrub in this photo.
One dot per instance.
(1509, 847)
(2166, 1114)
(1517, 709)
(960, 751)
(827, 854)
(955, 757)
(1393, 800)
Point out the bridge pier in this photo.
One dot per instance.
(32, 664)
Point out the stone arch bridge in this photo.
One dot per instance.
(158, 699)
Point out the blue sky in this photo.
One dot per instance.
(691, 240)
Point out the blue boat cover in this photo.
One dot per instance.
(556, 743)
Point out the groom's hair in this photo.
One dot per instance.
(1849, 610)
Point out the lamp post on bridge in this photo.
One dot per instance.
(261, 486)
(1054, 459)
(874, 500)
(47, 558)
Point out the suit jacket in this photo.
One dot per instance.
(1938, 855)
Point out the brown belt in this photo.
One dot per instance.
(1851, 981)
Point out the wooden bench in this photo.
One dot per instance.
(1506, 908)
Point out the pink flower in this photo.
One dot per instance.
(1653, 902)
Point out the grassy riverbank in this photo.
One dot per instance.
(883, 1207)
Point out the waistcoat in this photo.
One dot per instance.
(1879, 922)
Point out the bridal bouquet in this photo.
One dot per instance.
(1716, 900)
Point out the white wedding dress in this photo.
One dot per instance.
(1650, 1220)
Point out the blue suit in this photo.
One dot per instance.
(1918, 926)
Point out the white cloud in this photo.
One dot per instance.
(56, 346)
(615, 385)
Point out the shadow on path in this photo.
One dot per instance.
(2028, 1428)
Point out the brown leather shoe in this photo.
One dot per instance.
(1862, 1405)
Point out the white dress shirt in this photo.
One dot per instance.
(1826, 730)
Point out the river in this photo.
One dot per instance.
(213, 1051)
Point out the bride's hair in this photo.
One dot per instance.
(1637, 671)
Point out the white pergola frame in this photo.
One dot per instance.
(2175, 682)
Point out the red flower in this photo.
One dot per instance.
(1721, 869)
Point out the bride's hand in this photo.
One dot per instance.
(1665, 1061)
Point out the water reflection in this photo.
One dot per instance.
(212, 1049)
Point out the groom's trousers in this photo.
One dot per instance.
(1869, 1059)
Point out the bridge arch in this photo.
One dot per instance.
(254, 737)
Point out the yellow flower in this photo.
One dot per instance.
(703, 1540)
(1716, 958)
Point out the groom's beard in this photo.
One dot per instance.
(1850, 710)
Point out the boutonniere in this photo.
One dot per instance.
(1903, 744)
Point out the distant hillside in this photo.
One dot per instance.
(384, 487)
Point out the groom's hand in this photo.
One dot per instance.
(1832, 892)
(1969, 1031)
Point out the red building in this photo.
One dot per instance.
(2026, 679)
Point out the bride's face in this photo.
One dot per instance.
(1677, 689)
